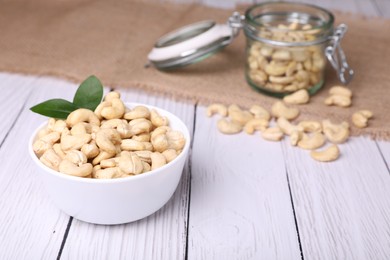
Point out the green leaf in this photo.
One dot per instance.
(56, 108)
(89, 94)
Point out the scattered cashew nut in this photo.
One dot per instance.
(228, 127)
(360, 118)
(216, 109)
(313, 141)
(335, 133)
(70, 168)
(281, 110)
(329, 154)
(259, 124)
(272, 134)
(298, 97)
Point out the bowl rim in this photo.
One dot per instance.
(149, 174)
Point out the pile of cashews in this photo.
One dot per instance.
(286, 69)
(113, 141)
(309, 135)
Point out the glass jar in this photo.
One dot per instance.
(287, 48)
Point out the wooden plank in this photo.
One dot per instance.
(368, 8)
(14, 92)
(240, 203)
(159, 236)
(32, 227)
(343, 207)
(384, 147)
(383, 7)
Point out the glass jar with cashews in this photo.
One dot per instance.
(288, 45)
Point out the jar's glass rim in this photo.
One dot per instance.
(251, 20)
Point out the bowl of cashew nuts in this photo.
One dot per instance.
(111, 169)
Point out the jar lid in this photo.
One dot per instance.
(190, 44)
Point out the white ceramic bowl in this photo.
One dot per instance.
(115, 201)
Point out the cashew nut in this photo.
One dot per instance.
(140, 125)
(169, 155)
(286, 127)
(112, 95)
(158, 160)
(76, 157)
(159, 130)
(329, 154)
(132, 145)
(82, 115)
(158, 120)
(73, 142)
(260, 112)
(146, 167)
(51, 138)
(160, 142)
(57, 148)
(339, 90)
(99, 108)
(145, 155)
(338, 100)
(120, 125)
(233, 107)
(107, 138)
(280, 110)
(90, 150)
(281, 55)
(313, 141)
(229, 127)
(239, 116)
(216, 108)
(130, 163)
(81, 128)
(108, 173)
(145, 137)
(148, 146)
(137, 112)
(298, 97)
(102, 156)
(115, 110)
(335, 133)
(43, 132)
(360, 118)
(176, 140)
(255, 124)
(310, 126)
(45, 143)
(109, 163)
(70, 168)
(274, 69)
(51, 159)
(272, 134)
(295, 137)
(58, 126)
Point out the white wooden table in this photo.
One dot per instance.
(240, 197)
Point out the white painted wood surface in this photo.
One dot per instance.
(14, 91)
(240, 201)
(239, 198)
(385, 151)
(31, 227)
(342, 208)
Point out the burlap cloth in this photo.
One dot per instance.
(111, 39)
